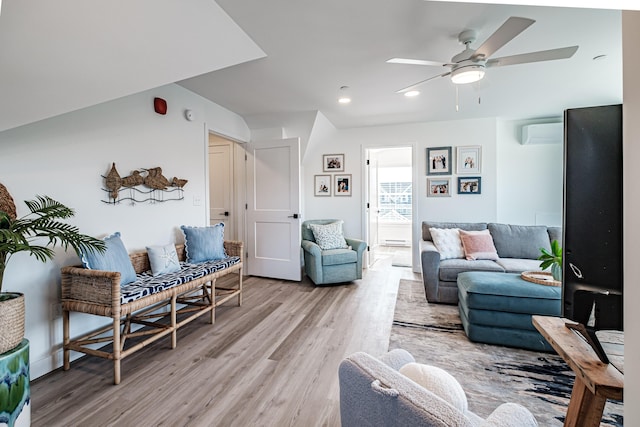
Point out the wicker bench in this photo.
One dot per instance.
(189, 294)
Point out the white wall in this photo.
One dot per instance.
(529, 177)
(63, 157)
(631, 116)
(352, 142)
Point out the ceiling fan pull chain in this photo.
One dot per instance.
(457, 104)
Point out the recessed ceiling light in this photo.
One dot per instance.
(343, 96)
(412, 93)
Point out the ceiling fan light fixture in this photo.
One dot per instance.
(467, 74)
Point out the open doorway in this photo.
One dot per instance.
(389, 202)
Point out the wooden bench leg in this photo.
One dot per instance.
(240, 287)
(65, 340)
(116, 348)
(212, 299)
(174, 332)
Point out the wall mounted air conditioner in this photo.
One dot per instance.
(542, 133)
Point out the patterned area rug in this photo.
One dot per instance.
(490, 374)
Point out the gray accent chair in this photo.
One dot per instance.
(334, 265)
(374, 393)
(518, 246)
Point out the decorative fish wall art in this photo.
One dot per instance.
(144, 185)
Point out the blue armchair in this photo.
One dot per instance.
(331, 265)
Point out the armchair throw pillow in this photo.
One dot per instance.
(329, 236)
(437, 381)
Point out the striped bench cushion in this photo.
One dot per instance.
(146, 284)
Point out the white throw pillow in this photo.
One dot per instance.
(448, 242)
(329, 236)
(437, 381)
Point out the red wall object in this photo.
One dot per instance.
(160, 105)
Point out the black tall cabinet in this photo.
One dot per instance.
(592, 222)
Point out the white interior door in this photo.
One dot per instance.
(374, 207)
(220, 186)
(273, 209)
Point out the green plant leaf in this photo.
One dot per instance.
(550, 258)
(43, 222)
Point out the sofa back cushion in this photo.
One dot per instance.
(469, 226)
(555, 233)
(519, 241)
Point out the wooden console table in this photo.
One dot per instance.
(595, 381)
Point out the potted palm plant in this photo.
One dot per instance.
(552, 259)
(35, 233)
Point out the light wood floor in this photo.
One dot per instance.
(271, 362)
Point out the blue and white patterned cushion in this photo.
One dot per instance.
(148, 284)
(329, 236)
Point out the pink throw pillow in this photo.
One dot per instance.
(478, 245)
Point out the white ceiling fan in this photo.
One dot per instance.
(469, 65)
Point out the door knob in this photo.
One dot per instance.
(225, 214)
(293, 216)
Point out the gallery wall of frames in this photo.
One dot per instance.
(441, 163)
(334, 182)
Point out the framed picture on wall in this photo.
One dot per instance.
(439, 161)
(322, 185)
(469, 159)
(333, 163)
(438, 187)
(470, 185)
(342, 185)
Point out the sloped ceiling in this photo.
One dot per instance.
(313, 48)
(63, 55)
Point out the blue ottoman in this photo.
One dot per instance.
(496, 308)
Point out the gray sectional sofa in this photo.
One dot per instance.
(518, 248)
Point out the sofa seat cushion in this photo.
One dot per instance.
(519, 241)
(450, 268)
(518, 265)
(148, 284)
(507, 292)
(339, 256)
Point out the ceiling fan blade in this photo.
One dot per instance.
(543, 55)
(415, 85)
(503, 35)
(415, 62)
